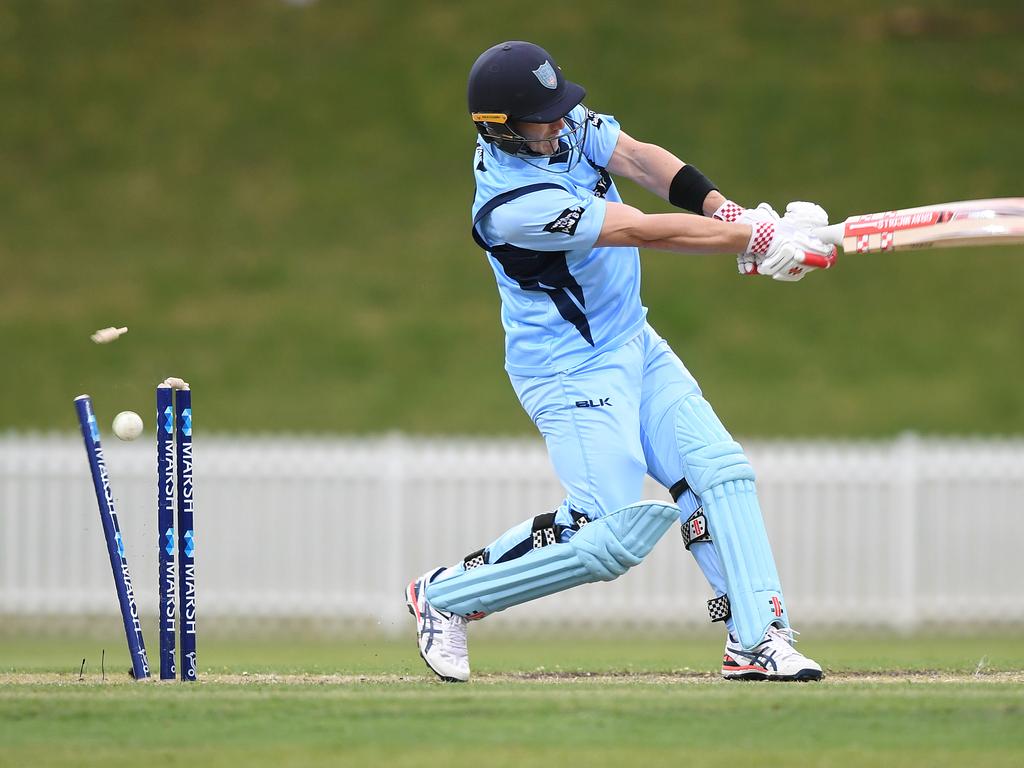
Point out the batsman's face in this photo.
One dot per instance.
(543, 137)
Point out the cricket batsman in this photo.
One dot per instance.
(612, 400)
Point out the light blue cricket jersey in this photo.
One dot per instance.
(563, 301)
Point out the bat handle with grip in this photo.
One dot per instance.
(817, 260)
(831, 234)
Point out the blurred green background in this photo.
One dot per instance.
(274, 197)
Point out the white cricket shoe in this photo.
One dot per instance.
(440, 635)
(774, 658)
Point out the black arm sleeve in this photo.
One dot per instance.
(688, 189)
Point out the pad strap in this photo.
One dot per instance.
(678, 489)
(695, 528)
(718, 609)
(547, 532)
(578, 519)
(475, 559)
(544, 533)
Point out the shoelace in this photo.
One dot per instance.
(782, 639)
(454, 637)
(786, 633)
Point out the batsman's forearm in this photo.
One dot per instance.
(680, 232)
(713, 202)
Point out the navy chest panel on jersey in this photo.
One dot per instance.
(544, 271)
(547, 272)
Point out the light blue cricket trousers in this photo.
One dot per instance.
(607, 425)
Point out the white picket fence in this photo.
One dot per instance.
(897, 533)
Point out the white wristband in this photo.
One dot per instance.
(728, 211)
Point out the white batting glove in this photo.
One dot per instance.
(805, 216)
(788, 254)
(746, 262)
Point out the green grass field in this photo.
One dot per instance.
(889, 700)
(275, 199)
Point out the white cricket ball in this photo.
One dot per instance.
(127, 425)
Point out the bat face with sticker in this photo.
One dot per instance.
(946, 225)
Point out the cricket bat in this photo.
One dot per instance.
(998, 221)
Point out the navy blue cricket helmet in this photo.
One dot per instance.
(517, 81)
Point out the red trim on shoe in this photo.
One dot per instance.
(729, 664)
(413, 599)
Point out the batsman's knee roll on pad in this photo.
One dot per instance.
(600, 551)
(710, 455)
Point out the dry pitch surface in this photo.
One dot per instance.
(599, 678)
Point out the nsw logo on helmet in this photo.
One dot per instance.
(545, 74)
